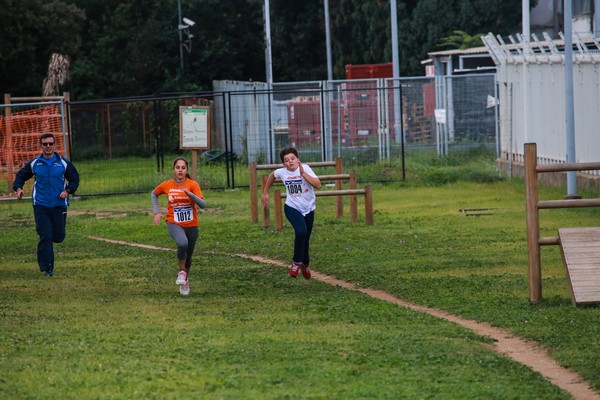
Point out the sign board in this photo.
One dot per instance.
(440, 115)
(194, 127)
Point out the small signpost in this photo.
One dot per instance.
(194, 131)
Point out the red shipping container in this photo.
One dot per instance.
(361, 103)
(369, 71)
(338, 117)
(429, 99)
(304, 122)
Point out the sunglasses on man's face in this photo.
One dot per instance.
(47, 144)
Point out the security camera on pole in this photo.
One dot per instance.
(184, 27)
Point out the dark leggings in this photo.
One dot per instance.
(303, 225)
(186, 241)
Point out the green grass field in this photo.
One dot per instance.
(111, 323)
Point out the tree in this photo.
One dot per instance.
(58, 74)
(298, 40)
(461, 40)
(35, 29)
(130, 49)
(361, 31)
(133, 46)
(228, 41)
(433, 20)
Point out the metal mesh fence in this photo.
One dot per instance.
(127, 145)
(473, 109)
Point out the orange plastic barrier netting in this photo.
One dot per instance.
(20, 136)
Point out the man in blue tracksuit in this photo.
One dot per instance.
(55, 178)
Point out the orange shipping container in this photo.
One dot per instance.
(369, 71)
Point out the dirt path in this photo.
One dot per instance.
(524, 352)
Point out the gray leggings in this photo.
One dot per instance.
(186, 241)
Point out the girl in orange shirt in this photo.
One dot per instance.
(183, 194)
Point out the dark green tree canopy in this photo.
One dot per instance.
(131, 47)
(31, 31)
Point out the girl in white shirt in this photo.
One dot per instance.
(299, 181)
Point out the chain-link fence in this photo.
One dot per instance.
(126, 145)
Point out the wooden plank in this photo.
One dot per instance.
(570, 203)
(582, 166)
(311, 164)
(343, 192)
(580, 249)
(329, 177)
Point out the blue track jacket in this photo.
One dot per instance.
(52, 176)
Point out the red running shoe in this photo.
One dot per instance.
(294, 270)
(305, 271)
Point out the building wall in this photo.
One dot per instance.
(532, 107)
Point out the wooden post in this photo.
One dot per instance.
(353, 202)
(67, 114)
(10, 165)
(266, 217)
(533, 223)
(253, 194)
(195, 165)
(278, 210)
(338, 186)
(368, 205)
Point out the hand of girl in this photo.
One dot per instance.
(157, 217)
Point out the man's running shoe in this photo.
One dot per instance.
(184, 289)
(294, 270)
(305, 271)
(181, 278)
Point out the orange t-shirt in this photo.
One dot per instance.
(181, 209)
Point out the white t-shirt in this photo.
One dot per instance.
(300, 193)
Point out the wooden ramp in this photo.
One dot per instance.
(580, 249)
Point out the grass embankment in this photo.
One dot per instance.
(111, 323)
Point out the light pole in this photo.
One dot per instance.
(268, 54)
(569, 100)
(399, 135)
(328, 42)
(184, 25)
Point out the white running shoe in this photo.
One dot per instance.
(184, 289)
(181, 278)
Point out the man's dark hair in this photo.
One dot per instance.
(46, 136)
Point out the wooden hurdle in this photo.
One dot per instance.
(254, 192)
(278, 195)
(351, 177)
(579, 247)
